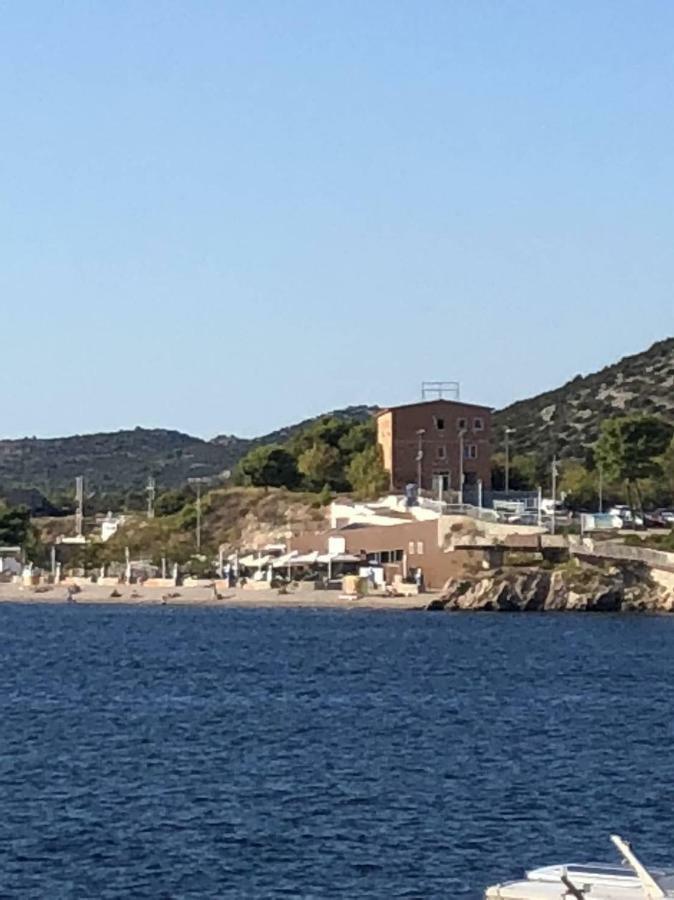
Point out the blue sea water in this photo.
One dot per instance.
(207, 753)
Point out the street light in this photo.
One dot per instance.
(198, 482)
(462, 433)
(555, 473)
(508, 431)
(420, 455)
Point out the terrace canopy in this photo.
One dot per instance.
(254, 562)
(330, 559)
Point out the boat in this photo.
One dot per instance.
(590, 881)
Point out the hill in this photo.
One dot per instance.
(123, 460)
(567, 420)
(240, 446)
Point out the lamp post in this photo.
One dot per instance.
(462, 434)
(554, 494)
(197, 482)
(420, 456)
(508, 431)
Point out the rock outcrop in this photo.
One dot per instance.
(578, 588)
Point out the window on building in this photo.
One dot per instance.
(411, 548)
(390, 556)
(470, 451)
(442, 452)
(478, 423)
(461, 424)
(439, 423)
(420, 548)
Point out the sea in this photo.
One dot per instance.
(166, 752)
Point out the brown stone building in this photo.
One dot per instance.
(450, 436)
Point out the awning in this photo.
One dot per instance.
(254, 562)
(282, 562)
(328, 558)
(305, 559)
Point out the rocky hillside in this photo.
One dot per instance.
(567, 419)
(237, 518)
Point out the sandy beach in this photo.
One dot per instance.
(138, 595)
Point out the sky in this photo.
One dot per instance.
(228, 215)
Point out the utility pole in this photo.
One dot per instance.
(420, 456)
(79, 498)
(151, 494)
(198, 482)
(601, 489)
(462, 433)
(554, 494)
(198, 517)
(508, 431)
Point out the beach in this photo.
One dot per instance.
(139, 595)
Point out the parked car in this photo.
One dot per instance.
(655, 520)
(630, 519)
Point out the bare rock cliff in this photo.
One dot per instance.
(573, 588)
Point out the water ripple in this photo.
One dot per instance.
(163, 753)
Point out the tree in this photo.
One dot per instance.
(320, 465)
(667, 463)
(578, 485)
(367, 474)
(15, 526)
(170, 502)
(525, 472)
(629, 450)
(328, 430)
(359, 437)
(270, 466)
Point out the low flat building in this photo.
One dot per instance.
(399, 549)
(440, 440)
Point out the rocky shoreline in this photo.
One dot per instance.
(573, 587)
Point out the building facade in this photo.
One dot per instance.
(439, 440)
(400, 549)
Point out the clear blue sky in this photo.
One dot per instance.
(225, 216)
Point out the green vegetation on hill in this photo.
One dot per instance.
(233, 517)
(15, 526)
(116, 465)
(330, 454)
(567, 420)
(633, 459)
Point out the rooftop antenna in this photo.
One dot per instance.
(440, 390)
